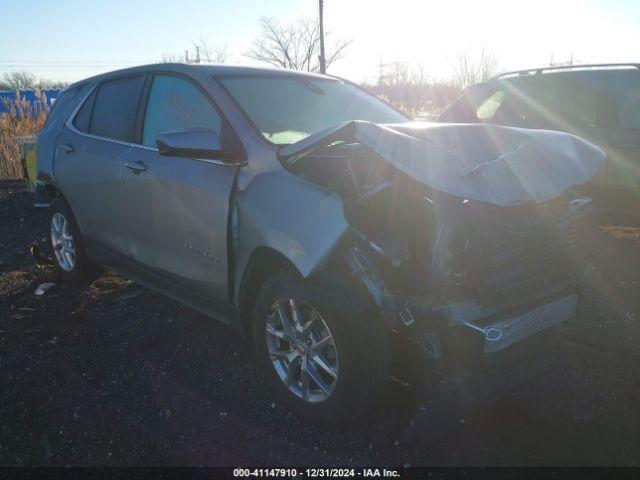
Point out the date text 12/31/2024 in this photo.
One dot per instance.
(316, 472)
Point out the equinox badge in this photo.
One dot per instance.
(198, 251)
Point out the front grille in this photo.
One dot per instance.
(504, 333)
(521, 255)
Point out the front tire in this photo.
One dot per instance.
(67, 245)
(326, 363)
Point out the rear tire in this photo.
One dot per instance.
(70, 258)
(358, 352)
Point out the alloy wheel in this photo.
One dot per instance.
(62, 242)
(302, 349)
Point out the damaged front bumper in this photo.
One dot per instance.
(457, 229)
(503, 332)
(432, 325)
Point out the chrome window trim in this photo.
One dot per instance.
(69, 124)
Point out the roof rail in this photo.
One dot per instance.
(589, 66)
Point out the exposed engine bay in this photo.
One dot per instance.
(432, 259)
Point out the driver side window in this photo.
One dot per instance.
(177, 104)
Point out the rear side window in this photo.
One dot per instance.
(521, 103)
(177, 104)
(488, 108)
(114, 109)
(567, 101)
(83, 117)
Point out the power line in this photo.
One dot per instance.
(61, 67)
(92, 62)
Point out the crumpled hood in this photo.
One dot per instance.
(503, 166)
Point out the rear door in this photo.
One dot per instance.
(623, 169)
(89, 152)
(64, 106)
(176, 209)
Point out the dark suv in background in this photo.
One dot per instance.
(600, 103)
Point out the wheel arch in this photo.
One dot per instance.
(263, 262)
(53, 192)
(332, 284)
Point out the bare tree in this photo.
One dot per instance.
(173, 57)
(469, 70)
(410, 89)
(294, 46)
(208, 54)
(24, 80)
(202, 52)
(19, 80)
(46, 84)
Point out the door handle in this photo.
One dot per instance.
(67, 147)
(136, 167)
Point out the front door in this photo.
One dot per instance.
(177, 208)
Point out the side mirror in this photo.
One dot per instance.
(193, 143)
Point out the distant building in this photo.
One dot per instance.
(30, 95)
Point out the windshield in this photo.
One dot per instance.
(288, 109)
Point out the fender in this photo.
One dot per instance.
(299, 219)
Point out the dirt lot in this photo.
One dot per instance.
(113, 374)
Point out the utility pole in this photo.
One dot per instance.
(323, 64)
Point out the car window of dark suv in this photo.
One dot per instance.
(520, 103)
(560, 101)
(114, 110)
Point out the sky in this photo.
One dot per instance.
(73, 39)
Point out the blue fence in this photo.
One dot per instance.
(30, 95)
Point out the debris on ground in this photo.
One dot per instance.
(40, 260)
(131, 292)
(44, 288)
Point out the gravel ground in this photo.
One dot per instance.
(113, 374)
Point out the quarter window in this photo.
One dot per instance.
(83, 117)
(177, 104)
(114, 111)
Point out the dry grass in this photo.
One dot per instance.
(20, 123)
(630, 234)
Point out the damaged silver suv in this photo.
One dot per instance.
(315, 218)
